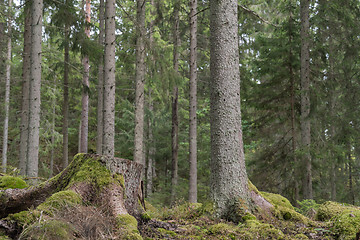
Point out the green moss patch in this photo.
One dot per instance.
(128, 227)
(184, 211)
(59, 200)
(48, 229)
(346, 224)
(330, 209)
(253, 229)
(7, 182)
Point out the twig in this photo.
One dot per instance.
(257, 15)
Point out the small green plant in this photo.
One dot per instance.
(306, 205)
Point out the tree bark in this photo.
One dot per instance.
(109, 80)
(305, 98)
(53, 126)
(151, 151)
(65, 127)
(25, 89)
(34, 92)
(174, 144)
(86, 87)
(100, 81)
(140, 81)
(229, 180)
(193, 103)
(7, 89)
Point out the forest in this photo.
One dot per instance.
(160, 83)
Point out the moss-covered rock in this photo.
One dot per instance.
(7, 182)
(330, 209)
(67, 198)
(128, 226)
(48, 229)
(24, 218)
(346, 224)
(253, 229)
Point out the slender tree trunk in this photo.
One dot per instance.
(175, 144)
(7, 89)
(100, 81)
(140, 81)
(193, 103)
(65, 127)
(229, 180)
(86, 87)
(2, 42)
(305, 98)
(25, 90)
(175, 121)
(293, 120)
(109, 80)
(53, 123)
(351, 188)
(34, 92)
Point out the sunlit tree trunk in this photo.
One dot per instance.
(25, 89)
(109, 80)
(100, 81)
(34, 92)
(305, 98)
(7, 88)
(193, 103)
(53, 125)
(229, 180)
(140, 81)
(86, 87)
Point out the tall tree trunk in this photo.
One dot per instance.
(175, 121)
(229, 180)
(305, 97)
(100, 81)
(25, 90)
(174, 144)
(292, 102)
(139, 81)
(193, 103)
(151, 150)
(65, 127)
(35, 85)
(53, 125)
(7, 89)
(2, 42)
(351, 187)
(109, 80)
(86, 87)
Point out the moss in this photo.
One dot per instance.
(7, 182)
(24, 218)
(248, 216)
(167, 233)
(252, 187)
(220, 229)
(277, 200)
(146, 216)
(346, 224)
(48, 229)
(183, 211)
(59, 200)
(300, 236)
(253, 229)
(128, 226)
(329, 209)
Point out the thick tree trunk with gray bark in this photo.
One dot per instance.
(25, 89)
(140, 81)
(34, 92)
(229, 180)
(305, 98)
(193, 103)
(109, 80)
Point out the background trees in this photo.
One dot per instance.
(271, 90)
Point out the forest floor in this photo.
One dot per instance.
(66, 215)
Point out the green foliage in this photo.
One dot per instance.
(306, 205)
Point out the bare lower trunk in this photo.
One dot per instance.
(193, 103)
(86, 87)
(109, 80)
(151, 151)
(7, 90)
(25, 90)
(53, 123)
(140, 81)
(229, 180)
(305, 99)
(34, 92)
(100, 82)
(175, 144)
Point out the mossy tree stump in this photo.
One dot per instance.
(108, 181)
